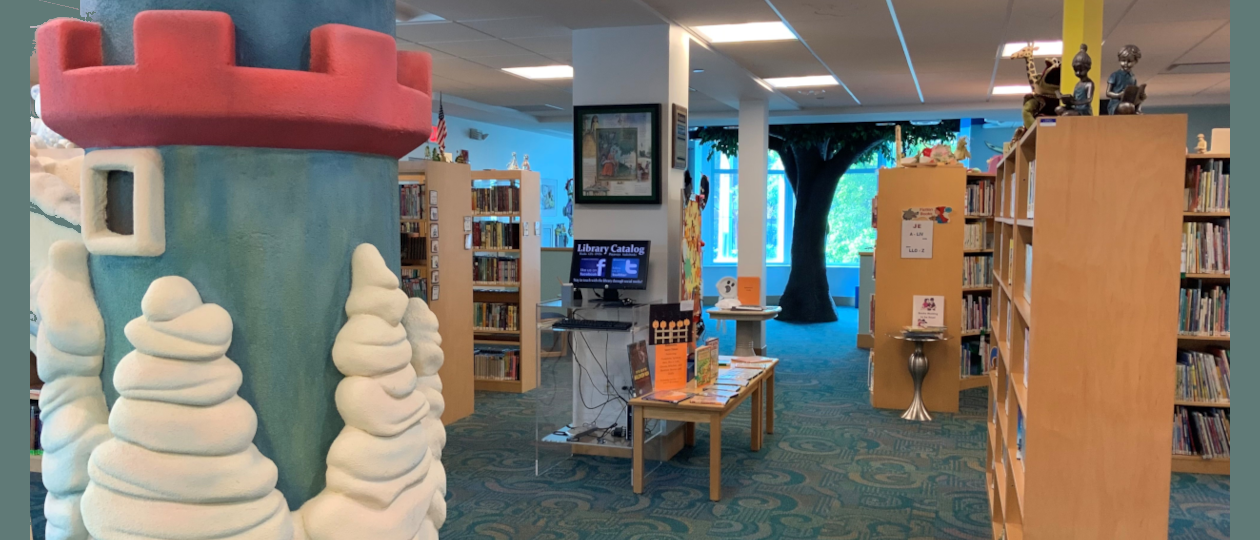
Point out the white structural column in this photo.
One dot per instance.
(754, 143)
(630, 66)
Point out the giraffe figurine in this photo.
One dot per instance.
(1044, 86)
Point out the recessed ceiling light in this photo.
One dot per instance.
(1044, 48)
(697, 70)
(542, 72)
(737, 33)
(1011, 90)
(794, 82)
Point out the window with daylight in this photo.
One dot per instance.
(723, 171)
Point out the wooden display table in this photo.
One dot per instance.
(747, 327)
(758, 388)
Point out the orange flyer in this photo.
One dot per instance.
(671, 366)
(749, 291)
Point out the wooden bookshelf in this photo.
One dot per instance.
(899, 280)
(1081, 391)
(1197, 464)
(524, 292)
(981, 186)
(450, 297)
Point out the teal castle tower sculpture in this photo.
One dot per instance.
(227, 348)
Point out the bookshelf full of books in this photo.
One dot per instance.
(435, 266)
(503, 234)
(1078, 412)
(1200, 422)
(977, 278)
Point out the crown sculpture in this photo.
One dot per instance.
(225, 348)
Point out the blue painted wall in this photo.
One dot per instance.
(267, 234)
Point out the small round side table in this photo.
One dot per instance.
(918, 371)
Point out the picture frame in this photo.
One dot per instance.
(433, 213)
(617, 153)
(680, 134)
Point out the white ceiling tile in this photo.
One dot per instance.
(438, 32)
(476, 49)
(475, 9)
(579, 14)
(1214, 49)
(549, 45)
(1183, 85)
(525, 27)
(514, 60)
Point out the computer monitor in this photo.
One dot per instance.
(610, 265)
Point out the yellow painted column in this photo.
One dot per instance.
(1083, 23)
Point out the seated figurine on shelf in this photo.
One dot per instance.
(1122, 86)
(1081, 101)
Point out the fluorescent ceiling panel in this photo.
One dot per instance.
(1012, 90)
(542, 72)
(738, 33)
(1044, 48)
(796, 82)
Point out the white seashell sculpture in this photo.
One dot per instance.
(70, 346)
(385, 478)
(183, 463)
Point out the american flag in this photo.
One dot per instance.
(441, 128)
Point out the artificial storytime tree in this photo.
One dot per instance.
(815, 157)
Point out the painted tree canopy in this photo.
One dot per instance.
(815, 158)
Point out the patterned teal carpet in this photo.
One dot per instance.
(834, 468)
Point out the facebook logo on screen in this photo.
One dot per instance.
(591, 267)
(625, 268)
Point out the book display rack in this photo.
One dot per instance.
(1078, 412)
(504, 238)
(1201, 417)
(436, 267)
(977, 280)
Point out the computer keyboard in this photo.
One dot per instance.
(581, 324)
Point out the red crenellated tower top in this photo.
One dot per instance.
(360, 95)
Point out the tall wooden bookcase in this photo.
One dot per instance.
(980, 200)
(1193, 463)
(898, 280)
(447, 271)
(523, 246)
(1079, 406)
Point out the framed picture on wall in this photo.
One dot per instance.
(616, 153)
(678, 146)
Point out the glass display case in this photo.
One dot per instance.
(585, 382)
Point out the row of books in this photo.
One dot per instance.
(1205, 247)
(1032, 189)
(496, 316)
(500, 269)
(415, 284)
(411, 201)
(976, 236)
(410, 227)
(1207, 186)
(414, 249)
(496, 199)
(1201, 432)
(496, 235)
(1019, 433)
(973, 357)
(1203, 376)
(977, 271)
(1204, 311)
(497, 364)
(975, 312)
(980, 198)
(37, 426)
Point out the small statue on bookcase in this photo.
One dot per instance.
(512, 166)
(525, 164)
(1201, 146)
(1081, 101)
(462, 157)
(960, 150)
(1123, 90)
